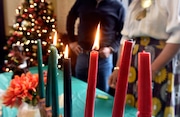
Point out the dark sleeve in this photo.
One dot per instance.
(115, 45)
(71, 19)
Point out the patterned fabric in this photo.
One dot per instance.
(166, 84)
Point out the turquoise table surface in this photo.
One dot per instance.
(103, 108)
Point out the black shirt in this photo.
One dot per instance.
(109, 13)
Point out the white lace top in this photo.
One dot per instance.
(162, 21)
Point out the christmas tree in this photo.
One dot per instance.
(34, 20)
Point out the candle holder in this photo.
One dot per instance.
(48, 111)
(42, 107)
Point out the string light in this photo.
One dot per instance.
(31, 6)
(20, 28)
(27, 50)
(31, 60)
(35, 4)
(33, 20)
(24, 28)
(53, 26)
(27, 42)
(52, 20)
(25, 10)
(44, 43)
(32, 29)
(28, 33)
(30, 15)
(32, 41)
(39, 34)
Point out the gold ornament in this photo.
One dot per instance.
(141, 15)
(144, 4)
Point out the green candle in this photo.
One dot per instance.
(40, 70)
(55, 100)
(49, 84)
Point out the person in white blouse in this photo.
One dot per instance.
(155, 25)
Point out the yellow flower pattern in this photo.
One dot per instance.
(165, 84)
(144, 41)
(170, 83)
(130, 99)
(161, 44)
(169, 112)
(132, 75)
(161, 76)
(135, 49)
(156, 106)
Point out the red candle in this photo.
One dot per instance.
(144, 85)
(122, 81)
(92, 78)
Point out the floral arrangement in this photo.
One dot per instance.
(23, 89)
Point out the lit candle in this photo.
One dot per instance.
(144, 85)
(40, 70)
(92, 77)
(55, 100)
(53, 81)
(67, 85)
(122, 81)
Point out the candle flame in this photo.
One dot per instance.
(96, 42)
(66, 52)
(55, 38)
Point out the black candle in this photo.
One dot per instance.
(67, 85)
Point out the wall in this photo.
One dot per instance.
(9, 13)
(61, 8)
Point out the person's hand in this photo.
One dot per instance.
(113, 79)
(76, 48)
(105, 52)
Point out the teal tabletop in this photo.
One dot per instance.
(103, 107)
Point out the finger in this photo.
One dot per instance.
(113, 79)
(110, 80)
(111, 83)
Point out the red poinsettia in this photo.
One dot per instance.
(22, 88)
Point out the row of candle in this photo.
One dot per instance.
(122, 82)
(52, 80)
(144, 81)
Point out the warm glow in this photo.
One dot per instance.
(96, 42)
(146, 3)
(55, 38)
(42, 0)
(66, 52)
